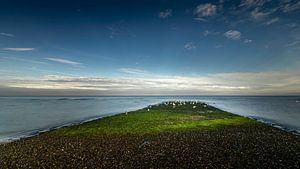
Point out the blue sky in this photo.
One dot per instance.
(149, 47)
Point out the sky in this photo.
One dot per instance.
(143, 47)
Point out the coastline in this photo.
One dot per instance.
(198, 138)
(33, 133)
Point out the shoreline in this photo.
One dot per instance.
(37, 132)
(167, 135)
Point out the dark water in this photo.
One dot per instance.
(26, 116)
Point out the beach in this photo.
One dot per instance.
(168, 135)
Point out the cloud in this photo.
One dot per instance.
(200, 19)
(7, 34)
(132, 71)
(205, 10)
(218, 46)
(233, 34)
(290, 6)
(165, 14)
(292, 25)
(64, 61)
(253, 3)
(294, 43)
(19, 49)
(190, 46)
(207, 33)
(277, 82)
(22, 60)
(247, 41)
(272, 21)
(257, 13)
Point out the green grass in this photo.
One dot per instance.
(159, 118)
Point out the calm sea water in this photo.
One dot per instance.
(26, 116)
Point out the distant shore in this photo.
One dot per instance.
(168, 135)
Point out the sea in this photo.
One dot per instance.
(28, 116)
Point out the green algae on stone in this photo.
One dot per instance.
(168, 116)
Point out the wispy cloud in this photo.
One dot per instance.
(294, 43)
(205, 10)
(63, 61)
(233, 34)
(247, 41)
(165, 14)
(22, 60)
(289, 6)
(218, 46)
(292, 25)
(207, 33)
(19, 49)
(7, 34)
(272, 21)
(220, 83)
(253, 3)
(200, 19)
(133, 71)
(258, 13)
(190, 46)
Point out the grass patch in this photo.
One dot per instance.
(169, 116)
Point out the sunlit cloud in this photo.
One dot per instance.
(22, 60)
(132, 71)
(63, 61)
(221, 83)
(19, 49)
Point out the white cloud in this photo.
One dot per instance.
(221, 83)
(253, 3)
(257, 13)
(18, 49)
(247, 41)
(165, 14)
(190, 46)
(22, 60)
(205, 10)
(7, 34)
(132, 71)
(272, 21)
(207, 33)
(63, 61)
(200, 19)
(233, 34)
(290, 6)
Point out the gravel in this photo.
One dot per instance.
(244, 146)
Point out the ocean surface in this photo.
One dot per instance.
(27, 116)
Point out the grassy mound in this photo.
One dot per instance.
(168, 116)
